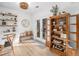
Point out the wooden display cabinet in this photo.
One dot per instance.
(59, 34)
(63, 36)
(73, 35)
(47, 37)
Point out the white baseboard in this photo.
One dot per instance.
(39, 39)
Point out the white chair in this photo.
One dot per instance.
(3, 50)
(10, 40)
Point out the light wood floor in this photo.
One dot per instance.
(31, 48)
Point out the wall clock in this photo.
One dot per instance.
(25, 23)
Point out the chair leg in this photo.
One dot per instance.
(12, 49)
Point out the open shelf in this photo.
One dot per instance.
(8, 23)
(58, 25)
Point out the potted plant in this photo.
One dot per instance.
(54, 10)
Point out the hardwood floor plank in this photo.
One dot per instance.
(31, 48)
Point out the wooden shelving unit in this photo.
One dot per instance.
(63, 37)
(8, 21)
(48, 36)
(58, 33)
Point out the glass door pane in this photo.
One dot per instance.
(72, 37)
(44, 26)
(62, 21)
(72, 24)
(38, 28)
(62, 24)
(72, 44)
(72, 28)
(72, 20)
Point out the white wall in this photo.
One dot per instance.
(19, 29)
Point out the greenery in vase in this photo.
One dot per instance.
(54, 10)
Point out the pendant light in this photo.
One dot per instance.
(23, 5)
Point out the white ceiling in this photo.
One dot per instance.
(43, 6)
(71, 7)
(15, 6)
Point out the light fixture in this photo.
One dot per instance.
(23, 5)
(36, 6)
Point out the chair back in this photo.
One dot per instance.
(10, 38)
